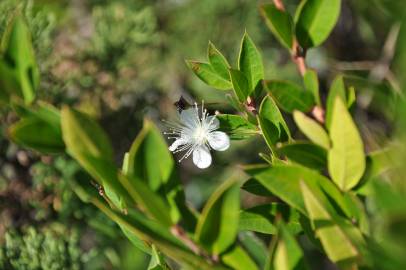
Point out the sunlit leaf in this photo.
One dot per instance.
(313, 130)
(337, 89)
(240, 83)
(19, 73)
(273, 126)
(250, 62)
(346, 158)
(238, 259)
(316, 20)
(280, 23)
(218, 62)
(208, 75)
(288, 254)
(311, 83)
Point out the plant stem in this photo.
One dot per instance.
(298, 57)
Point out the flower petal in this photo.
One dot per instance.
(176, 144)
(189, 117)
(213, 121)
(202, 157)
(219, 140)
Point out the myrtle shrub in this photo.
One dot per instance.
(321, 188)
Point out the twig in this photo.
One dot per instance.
(298, 57)
(178, 231)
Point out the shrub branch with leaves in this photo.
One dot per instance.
(314, 185)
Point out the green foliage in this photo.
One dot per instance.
(315, 20)
(346, 158)
(290, 96)
(280, 23)
(18, 67)
(250, 62)
(323, 188)
(217, 227)
(47, 250)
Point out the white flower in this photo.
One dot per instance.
(196, 133)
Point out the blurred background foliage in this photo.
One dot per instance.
(120, 60)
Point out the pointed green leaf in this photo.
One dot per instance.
(255, 187)
(217, 226)
(157, 261)
(306, 154)
(238, 259)
(86, 142)
(150, 161)
(316, 20)
(311, 129)
(147, 199)
(262, 218)
(250, 62)
(290, 96)
(340, 240)
(346, 158)
(37, 134)
(255, 247)
(236, 126)
(19, 72)
(288, 253)
(311, 83)
(241, 85)
(218, 62)
(273, 126)
(283, 181)
(337, 89)
(208, 75)
(280, 23)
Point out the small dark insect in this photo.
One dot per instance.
(181, 104)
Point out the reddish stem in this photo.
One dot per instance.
(298, 58)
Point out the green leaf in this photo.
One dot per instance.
(306, 154)
(273, 126)
(218, 62)
(149, 147)
(290, 96)
(82, 135)
(312, 129)
(241, 85)
(238, 259)
(346, 158)
(161, 177)
(254, 246)
(288, 253)
(351, 97)
(37, 134)
(217, 226)
(280, 23)
(157, 261)
(283, 181)
(311, 83)
(262, 218)
(337, 89)
(149, 231)
(86, 142)
(340, 240)
(237, 127)
(208, 75)
(255, 187)
(250, 62)
(19, 72)
(137, 242)
(147, 199)
(316, 20)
